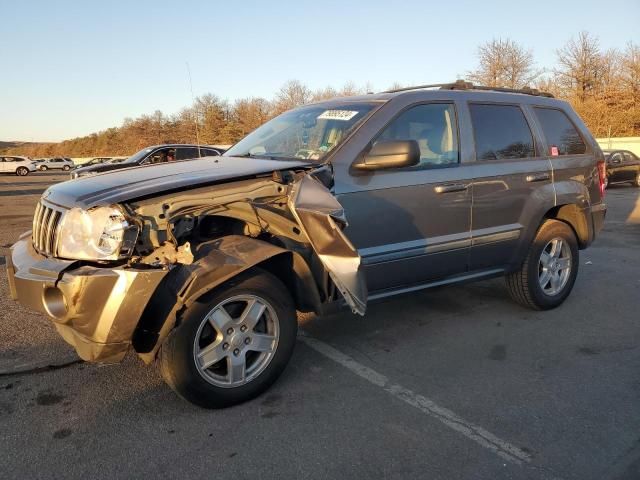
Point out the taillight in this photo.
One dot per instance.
(602, 173)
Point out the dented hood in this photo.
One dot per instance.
(131, 183)
(322, 219)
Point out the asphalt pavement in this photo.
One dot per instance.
(449, 383)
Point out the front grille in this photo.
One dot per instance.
(45, 229)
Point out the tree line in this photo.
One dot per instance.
(602, 86)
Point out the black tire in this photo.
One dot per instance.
(524, 285)
(177, 362)
(22, 171)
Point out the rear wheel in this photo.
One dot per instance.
(232, 344)
(636, 182)
(43, 168)
(66, 168)
(549, 271)
(22, 171)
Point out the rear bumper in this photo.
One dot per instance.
(598, 214)
(94, 309)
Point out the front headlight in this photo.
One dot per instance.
(102, 233)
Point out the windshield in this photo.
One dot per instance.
(308, 133)
(136, 157)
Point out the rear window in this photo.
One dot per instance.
(562, 137)
(501, 132)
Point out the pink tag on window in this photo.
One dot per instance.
(554, 151)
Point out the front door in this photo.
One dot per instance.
(412, 225)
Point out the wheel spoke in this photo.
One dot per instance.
(220, 319)
(211, 354)
(236, 367)
(262, 343)
(252, 313)
(564, 263)
(545, 258)
(545, 276)
(556, 281)
(556, 248)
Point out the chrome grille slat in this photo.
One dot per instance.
(42, 234)
(45, 228)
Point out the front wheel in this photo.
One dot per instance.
(43, 168)
(66, 168)
(22, 171)
(232, 344)
(636, 182)
(549, 271)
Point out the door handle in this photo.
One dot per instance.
(450, 187)
(538, 177)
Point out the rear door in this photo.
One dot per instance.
(631, 165)
(512, 181)
(615, 167)
(187, 153)
(411, 225)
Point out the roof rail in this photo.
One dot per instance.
(462, 85)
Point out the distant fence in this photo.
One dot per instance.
(620, 143)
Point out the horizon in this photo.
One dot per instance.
(83, 77)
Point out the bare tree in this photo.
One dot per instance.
(581, 66)
(504, 63)
(292, 94)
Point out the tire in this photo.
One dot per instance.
(44, 168)
(217, 385)
(22, 171)
(606, 183)
(525, 285)
(636, 182)
(66, 168)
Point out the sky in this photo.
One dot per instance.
(70, 68)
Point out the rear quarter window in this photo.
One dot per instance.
(562, 136)
(501, 132)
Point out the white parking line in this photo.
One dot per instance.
(478, 434)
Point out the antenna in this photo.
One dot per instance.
(195, 117)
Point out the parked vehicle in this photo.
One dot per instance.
(623, 166)
(94, 161)
(152, 155)
(20, 166)
(57, 163)
(202, 265)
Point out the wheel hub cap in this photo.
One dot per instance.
(554, 267)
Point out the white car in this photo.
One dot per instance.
(58, 163)
(21, 166)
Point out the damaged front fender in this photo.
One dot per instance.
(318, 213)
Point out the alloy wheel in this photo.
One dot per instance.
(236, 341)
(554, 267)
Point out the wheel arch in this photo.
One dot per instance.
(576, 218)
(216, 263)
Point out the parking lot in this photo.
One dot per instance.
(456, 382)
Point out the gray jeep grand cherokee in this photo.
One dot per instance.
(201, 266)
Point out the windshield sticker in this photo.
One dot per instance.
(344, 115)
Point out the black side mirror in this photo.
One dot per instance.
(390, 154)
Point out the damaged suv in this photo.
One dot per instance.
(201, 266)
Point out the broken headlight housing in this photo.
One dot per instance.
(101, 233)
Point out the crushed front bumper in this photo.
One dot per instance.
(94, 309)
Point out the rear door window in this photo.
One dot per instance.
(501, 132)
(186, 153)
(562, 136)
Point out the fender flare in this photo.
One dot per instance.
(216, 262)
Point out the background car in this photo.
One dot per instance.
(623, 166)
(152, 155)
(94, 161)
(20, 166)
(58, 163)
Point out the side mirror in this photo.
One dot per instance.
(390, 154)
